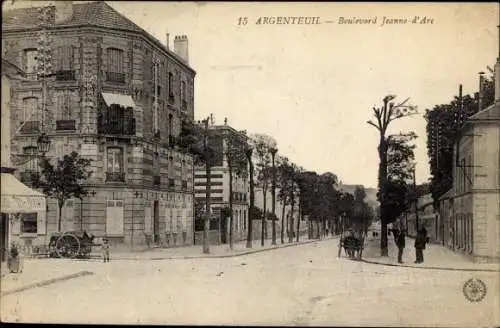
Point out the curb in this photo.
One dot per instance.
(209, 256)
(429, 267)
(47, 282)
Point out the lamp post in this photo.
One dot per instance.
(273, 205)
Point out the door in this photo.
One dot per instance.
(223, 227)
(156, 222)
(4, 233)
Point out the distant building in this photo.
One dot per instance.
(118, 97)
(219, 226)
(428, 218)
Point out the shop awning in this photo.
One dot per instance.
(118, 99)
(19, 198)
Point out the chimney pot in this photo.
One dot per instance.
(181, 47)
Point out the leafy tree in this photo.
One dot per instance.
(287, 187)
(248, 155)
(384, 115)
(194, 139)
(237, 164)
(263, 144)
(400, 167)
(63, 180)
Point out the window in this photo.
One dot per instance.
(470, 176)
(170, 128)
(65, 63)
(115, 170)
(170, 84)
(115, 160)
(63, 105)
(183, 96)
(29, 223)
(115, 65)
(30, 63)
(463, 174)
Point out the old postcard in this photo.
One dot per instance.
(250, 163)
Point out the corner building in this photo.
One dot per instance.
(118, 97)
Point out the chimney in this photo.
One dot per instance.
(64, 11)
(480, 98)
(167, 40)
(181, 47)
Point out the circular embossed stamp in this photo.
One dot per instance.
(474, 290)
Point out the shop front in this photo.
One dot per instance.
(17, 200)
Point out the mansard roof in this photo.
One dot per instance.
(95, 13)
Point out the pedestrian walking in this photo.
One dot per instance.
(420, 242)
(400, 243)
(105, 250)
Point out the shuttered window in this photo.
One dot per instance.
(115, 60)
(114, 218)
(65, 57)
(148, 221)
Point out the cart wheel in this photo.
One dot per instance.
(67, 246)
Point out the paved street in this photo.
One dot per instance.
(300, 285)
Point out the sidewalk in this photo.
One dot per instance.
(36, 273)
(435, 257)
(196, 251)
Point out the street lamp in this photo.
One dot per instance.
(43, 143)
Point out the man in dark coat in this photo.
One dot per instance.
(400, 243)
(420, 242)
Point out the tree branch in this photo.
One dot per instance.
(373, 124)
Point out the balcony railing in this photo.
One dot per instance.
(156, 180)
(115, 77)
(124, 126)
(65, 125)
(115, 176)
(65, 75)
(30, 127)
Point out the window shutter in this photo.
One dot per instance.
(148, 220)
(41, 223)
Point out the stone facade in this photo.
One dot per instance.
(141, 188)
(476, 219)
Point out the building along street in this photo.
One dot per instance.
(300, 285)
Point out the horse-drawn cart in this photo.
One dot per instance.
(353, 243)
(71, 244)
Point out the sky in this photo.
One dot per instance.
(312, 87)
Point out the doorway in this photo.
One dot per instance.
(223, 227)
(156, 222)
(4, 237)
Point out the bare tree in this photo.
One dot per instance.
(384, 115)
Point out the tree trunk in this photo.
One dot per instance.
(231, 221)
(206, 247)
(382, 150)
(290, 235)
(264, 214)
(248, 153)
(273, 205)
(298, 227)
(60, 204)
(283, 223)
